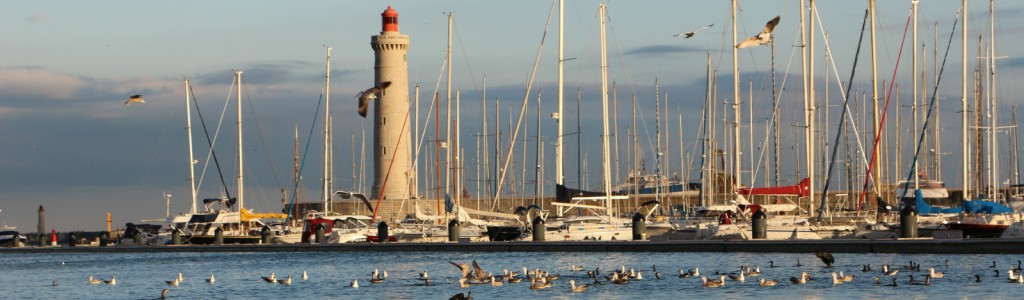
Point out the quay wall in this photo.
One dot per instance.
(936, 246)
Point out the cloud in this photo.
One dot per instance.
(663, 50)
(29, 82)
(268, 73)
(37, 18)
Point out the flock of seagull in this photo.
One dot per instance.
(472, 274)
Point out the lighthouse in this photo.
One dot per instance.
(391, 154)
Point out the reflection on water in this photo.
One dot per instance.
(142, 276)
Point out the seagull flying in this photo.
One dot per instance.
(135, 99)
(690, 34)
(762, 38)
(370, 94)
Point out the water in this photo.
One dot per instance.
(142, 275)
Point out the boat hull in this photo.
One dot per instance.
(228, 239)
(504, 233)
(978, 230)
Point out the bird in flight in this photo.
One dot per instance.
(370, 94)
(135, 99)
(691, 33)
(762, 38)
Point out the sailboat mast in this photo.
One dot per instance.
(913, 75)
(963, 106)
(809, 139)
(605, 147)
(191, 159)
(485, 151)
(448, 112)
(327, 136)
(705, 148)
(735, 103)
(416, 143)
(559, 177)
(657, 132)
(241, 169)
(810, 102)
(455, 149)
(992, 99)
(876, 171)
(538, 181)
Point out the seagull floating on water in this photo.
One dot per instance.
(271, 279)
(212, 279)
(286, 281)
(577, 289)
(112, 281)
(799, 280)
(689, 34)
(762, 38)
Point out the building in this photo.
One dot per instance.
(392, 155)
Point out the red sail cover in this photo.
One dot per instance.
(801, 189)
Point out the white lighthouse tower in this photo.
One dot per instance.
(391, 153)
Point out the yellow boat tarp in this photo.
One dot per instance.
(249, 216)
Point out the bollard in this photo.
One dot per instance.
(453, 230)
(16, 242)
(320, 234)
(759, 225)
(104, 238)
(908, 222)
(218, 236)
(538, 229)
(72, 240)
(639, 227)
(176, 237)
(382, 232)
(265, 235)
(42, 240)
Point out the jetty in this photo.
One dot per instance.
(913, 246)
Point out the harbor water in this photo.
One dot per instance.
(238, 275)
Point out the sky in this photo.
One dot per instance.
(71, 145)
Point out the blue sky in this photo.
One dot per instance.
(66, 68)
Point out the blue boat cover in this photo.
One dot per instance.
(923, 208)
(970, 206)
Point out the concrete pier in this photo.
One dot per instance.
(940, 246)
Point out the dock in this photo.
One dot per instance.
(915, 246)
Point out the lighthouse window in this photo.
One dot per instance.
(384, 150)
(383, 121)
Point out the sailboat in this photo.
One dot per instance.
(224, 217)
(601, 222)
(337, 228)
(986, 215)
